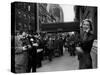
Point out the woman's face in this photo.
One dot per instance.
(86, 26)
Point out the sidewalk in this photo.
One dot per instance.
(62, 63)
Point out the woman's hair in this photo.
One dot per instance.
(90, 22)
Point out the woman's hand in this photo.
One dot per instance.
(79, 49)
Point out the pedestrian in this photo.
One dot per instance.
(39, 52)
(56, 47)
(86, 41)
(50, 48)
(61, 43)
(32, 54)
(21, 55)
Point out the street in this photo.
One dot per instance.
(62, 63)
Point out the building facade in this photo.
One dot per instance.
(56, 11)
(30, 16)
(49, 13)
(43, 16)
(25, 16)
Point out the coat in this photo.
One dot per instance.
(21, 58)
(50, 44)
(85, 60)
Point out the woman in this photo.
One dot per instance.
(86, 41)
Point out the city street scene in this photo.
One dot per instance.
(53, 37)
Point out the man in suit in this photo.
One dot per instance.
(61, 43)
(32, 54)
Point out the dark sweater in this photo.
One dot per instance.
(87, 43)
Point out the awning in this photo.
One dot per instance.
(61, 27)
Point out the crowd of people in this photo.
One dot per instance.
(38, 47)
